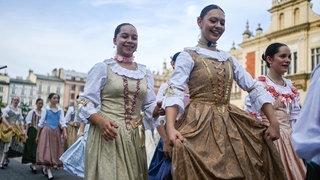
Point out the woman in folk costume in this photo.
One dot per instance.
(12, 136)
(30, 148)
(160, 166)
(49, 140)
(287, 106)
(122, 89)
(73, 124)
(214, 139)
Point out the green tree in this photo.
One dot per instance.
(25, 109)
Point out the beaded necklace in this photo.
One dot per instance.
(282, 83)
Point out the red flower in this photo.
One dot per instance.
(286, 96)
(262, 78)
(295, 90)
(271, 90)
(253, 115)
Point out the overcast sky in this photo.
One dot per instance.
(75, 34)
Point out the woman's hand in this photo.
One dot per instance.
(167, 149)
(273, 132)
(173, 135)
(108, 129)
(158, 111)
(80, 134)
(65, 136)
(9, 127)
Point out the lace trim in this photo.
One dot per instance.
(287, 94)
(219, 54)
(135, 74)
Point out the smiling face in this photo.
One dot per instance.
(126, 41)
(212, 25)
(281, 60)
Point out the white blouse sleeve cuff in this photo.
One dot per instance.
(42, 119)
(174, 97)
(148, 120)
(87, 110)
(149, 104)
(258, 97)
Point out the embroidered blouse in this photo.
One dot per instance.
(16, 111)
(43, 119)
(184, 65)
(289, 95)
(30, 114)
(96, 81)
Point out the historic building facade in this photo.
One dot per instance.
(294, 23)
(25, 89)
(4, 88)
(74, 84)
(47, 84)
(163, 77)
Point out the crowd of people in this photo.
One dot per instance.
(203, 136)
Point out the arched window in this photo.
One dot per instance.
(264, 68)
(296, 16)
(281, 21)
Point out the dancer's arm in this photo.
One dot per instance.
(273, 132)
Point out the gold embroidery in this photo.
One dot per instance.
(83, 102)
(136, 122)
(171, 90)
(221, 108)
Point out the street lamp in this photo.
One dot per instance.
(2, 67)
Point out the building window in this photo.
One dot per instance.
(40, 88)
(296, 16)
(264, 68)
(281, 21)
(30, 102)
(1, 99)
(1, 89)
(293, 64)
(315, 57)
(72, 96)
(81, 88)
(58, 90)
(48, 89)
(31, 91)
(22, 90)
(72, 87)
(13, 89)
